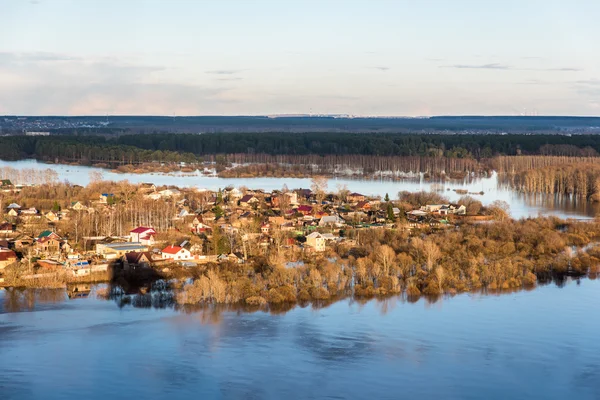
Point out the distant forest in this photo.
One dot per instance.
(114, 125)
(195, 147)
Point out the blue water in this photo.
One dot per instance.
(539, 344)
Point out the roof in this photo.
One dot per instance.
(135, 257)
(141, 229)
(246, 198)
(355, 194)
(6, 226)
(417, 212)
(172, 249)
(304, 208)
(45, 234)
(6, 255)
(13, 205)
(125, 246)
(315, 235)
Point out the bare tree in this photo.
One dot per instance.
(319, 186)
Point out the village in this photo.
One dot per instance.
(144, 226)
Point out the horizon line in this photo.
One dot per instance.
(274, 116)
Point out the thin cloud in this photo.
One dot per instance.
(479, 66)
(230, 79)
(224, 71)
(589, 82)
(8, 57)
(565, 69)
(381, 68)
(504, 67)
(533, 82)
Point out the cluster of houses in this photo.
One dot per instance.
(299, 219)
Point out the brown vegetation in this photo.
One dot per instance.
(580, 179)
(502, 255)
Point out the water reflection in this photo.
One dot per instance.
(21, 299)
(160, 296)
(540, 341)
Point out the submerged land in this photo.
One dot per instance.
(247, 246)
(257, 248)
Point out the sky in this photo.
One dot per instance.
(369, 58)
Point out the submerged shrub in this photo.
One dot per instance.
(256, 301)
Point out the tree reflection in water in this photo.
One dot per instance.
(26, 299)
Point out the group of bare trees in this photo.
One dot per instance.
(580, 179)
(357, 164)
(28, 176)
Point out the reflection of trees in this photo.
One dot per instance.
(19, 299)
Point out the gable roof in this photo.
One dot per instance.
(6, 226)
(247, 198)
(141, 229)
(135, 257)
(45, 234)
(6, 255)
(172, 249)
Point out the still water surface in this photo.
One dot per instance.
(539, 344)
(521, 205)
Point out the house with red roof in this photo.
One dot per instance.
(176, 253)
(143, 235)
(363, 205)
(7, 257)
(305, 210)
(6, 228)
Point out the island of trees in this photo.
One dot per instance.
(244, 246)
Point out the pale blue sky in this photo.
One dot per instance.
(226, 57)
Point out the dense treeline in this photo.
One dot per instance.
(84, 150)
(459, 146)
(182, 147)
(299, 123)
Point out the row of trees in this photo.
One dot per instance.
(582, 179)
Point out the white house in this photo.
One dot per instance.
(143, 235)
(316, 241)
(175, 253)
(331, 220)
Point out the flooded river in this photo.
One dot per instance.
(539, 344)
(521, 205)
